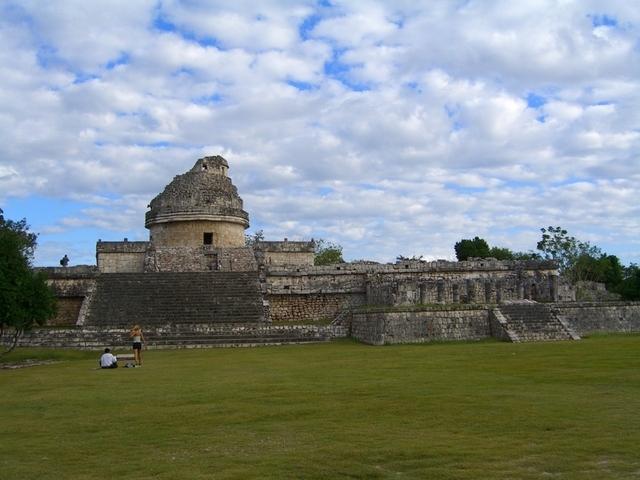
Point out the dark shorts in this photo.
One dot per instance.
(137, 345)
(113, 365)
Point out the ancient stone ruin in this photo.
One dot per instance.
(195, 283)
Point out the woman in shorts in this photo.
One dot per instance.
(138, 339)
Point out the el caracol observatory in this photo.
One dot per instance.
(196, 282)
(199, 207)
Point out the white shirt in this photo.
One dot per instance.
(107, 359)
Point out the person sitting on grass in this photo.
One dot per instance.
(108, 360)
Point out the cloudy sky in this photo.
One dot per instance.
(391, 128)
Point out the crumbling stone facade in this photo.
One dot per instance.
(286, 253)
(324, 292)
(125, 256)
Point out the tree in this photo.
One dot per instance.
(601, 268)
(478, 247)
(501, 253)
(556, 244)
(413, 258)
(327, 253)
(25, 298)
(629, 288)
(251, 240)
(526, 255)
(577, 260)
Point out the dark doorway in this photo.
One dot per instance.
(208, 238)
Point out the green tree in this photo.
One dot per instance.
(327, 253)
(413, 258)
(477, 247)
(501, 253)
(629, 288)
(598, 267)
(556, 244)
(25, 299)
(577, 260)
(526, 255)
(580, 261)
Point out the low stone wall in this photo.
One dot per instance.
(292, 308)
(421, 326)
(592, 317)
(179, 336)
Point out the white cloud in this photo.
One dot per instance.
(393, 128)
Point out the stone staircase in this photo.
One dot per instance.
(181, 336)
(529, 321)
(155, 299)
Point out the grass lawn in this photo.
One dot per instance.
(489, 410)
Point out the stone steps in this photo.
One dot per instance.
(123, 299)
(533, 322)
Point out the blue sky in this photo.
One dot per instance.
(392, 128)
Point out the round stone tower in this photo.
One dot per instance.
(200, 207)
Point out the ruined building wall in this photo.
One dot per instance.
(455, 287)
(312, 293)
(120, 257)
(323, 292)
(311, 307)
(297, 258)
(199, 259)
(286, 253)
(71, 286)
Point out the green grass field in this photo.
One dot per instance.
(568, 410)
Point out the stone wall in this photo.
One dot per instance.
(591, 317)
(287, 253)
(312, 291)
(178, 336)
(309, 280)
(379, 327)
(288, 308)
(481, 283)
(68, 309)
(70, 285)
(199, 259)
(587, 291)
(117, 257)
(191, 233)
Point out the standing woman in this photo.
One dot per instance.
(138, 339)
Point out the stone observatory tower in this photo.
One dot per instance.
(200, 207)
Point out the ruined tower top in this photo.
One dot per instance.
(216, 165)
(202, 200)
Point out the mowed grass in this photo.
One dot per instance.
(489, 410)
